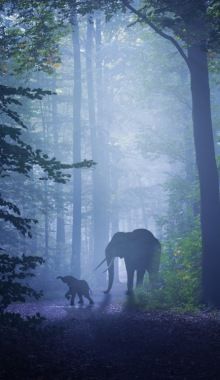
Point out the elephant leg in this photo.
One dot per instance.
(89, 298)
(130, 273)
(80, 298)
(68, 294)
(140, 278)
(73, 295)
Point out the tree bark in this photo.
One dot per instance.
(59, 201)
(208, 174)
(114, 229)
(101, 174)
(76, 225)
(92, 118)
(45, 201)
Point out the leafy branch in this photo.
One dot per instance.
(13, 270)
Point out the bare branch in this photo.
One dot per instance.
(142, 17)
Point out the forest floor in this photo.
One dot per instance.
(111, 340)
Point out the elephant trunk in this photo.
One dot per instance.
(110, 262)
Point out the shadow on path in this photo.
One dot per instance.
(105, 303)
(59, 309)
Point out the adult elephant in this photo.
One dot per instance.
(141, 252)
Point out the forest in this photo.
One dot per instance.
(109, 189)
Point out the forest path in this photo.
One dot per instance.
(111, 341)
(60, 309)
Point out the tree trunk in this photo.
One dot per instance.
(76, 225)
(59, 201)
(60, 227)
(92, 118)
(208, 174)
(101, 175)
(114, 229)
(46, 222)
(45, 201)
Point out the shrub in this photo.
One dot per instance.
(13, 271)
(180, 278)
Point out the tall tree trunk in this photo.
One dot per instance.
(76, 225)
(208, 174)
(59, 201)
(92, 114)
(114, 229)
(101, 223)
(90, 80)
(45, 201)
(46, 222)
(60, 227)
(114, 187)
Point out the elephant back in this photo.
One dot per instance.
(70, 281)
(142, 233)
(83, 286)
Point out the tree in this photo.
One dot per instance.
(91, 111)
(77, 185)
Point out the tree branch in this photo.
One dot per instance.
(143, 17)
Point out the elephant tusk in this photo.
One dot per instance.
(108, 266)
(100, 263)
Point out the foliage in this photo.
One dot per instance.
(180, 277)
(18, 156)
(30, 33)
(13, 270)
(194, 22)
(183, 207)
(29, 42)
(16, 322)
(9, 212)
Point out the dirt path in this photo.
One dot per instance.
(60, 309)
(112, 341)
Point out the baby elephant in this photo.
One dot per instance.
(79, 287)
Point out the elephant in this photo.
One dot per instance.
(141, 252)
(79, 287)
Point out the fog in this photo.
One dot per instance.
(134, 122)
(109, 189)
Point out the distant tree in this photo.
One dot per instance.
(77, 181)
(18, 156)
(23, 37)
(90, 32)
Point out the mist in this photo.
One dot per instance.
(109, 171)
(139, 139)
